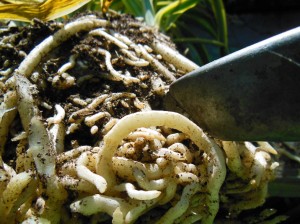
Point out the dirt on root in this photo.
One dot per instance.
(89, 72)
(19, 41)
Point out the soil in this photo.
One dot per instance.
(21, 40)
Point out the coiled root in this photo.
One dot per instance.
(81, 131)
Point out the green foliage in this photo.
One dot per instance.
(203, 30)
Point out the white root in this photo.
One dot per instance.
(78, 115)
(140, 208)
(169, 192)
(24, 160)
(57, 131)
(146, 134)
(91, 120)
(79, 102)
(258, 167)
(78, 184)
(137, 194)
(7, 115)
(27, 105)
(72, 128)
(13, 189)
(141, 50)
(97, 101)
(265, 146)
(185, 167)
(43, 154)
(148, 49)
(94, 129)
(123, 167)
(130, 55)
(124, 39)
(99, 203)
(139, 105)
(41, 148)
(57, 134)
(116, 96)
(62, 157)
(10, 172)
(144, 160)
(147, 184)
(250, 147)
(158, 86)
(84, 173)
(169, 154)
(182, 205)
(233, 159)
(162, 162)
(58, 118)
(35, 56)
(113, 74)
(255, 198)
(182, 150)
(109, 125)
(33, 219)
(174, 57)
(63, 81)
(155, 63)
(132, 60)
(173, 120)
(6, 72)
(65, 67)
(186, 177)
(156, 144)
(24, 197)
(46, 105)
(101, 32)
(138, 63)
(69, 168)
(176, 137)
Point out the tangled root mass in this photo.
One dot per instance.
(83, 134)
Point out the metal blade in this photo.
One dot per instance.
(252, 94)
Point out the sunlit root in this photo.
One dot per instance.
(173, 120)
(78, 133)
(253, 168)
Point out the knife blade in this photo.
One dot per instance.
(250, 95)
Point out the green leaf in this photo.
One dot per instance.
(149, 12)
(203, 23)
(200, 41)
(134, 7)
(193, 52)
(220, 15)
(168, 14)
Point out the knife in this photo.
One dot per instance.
(250, 95)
